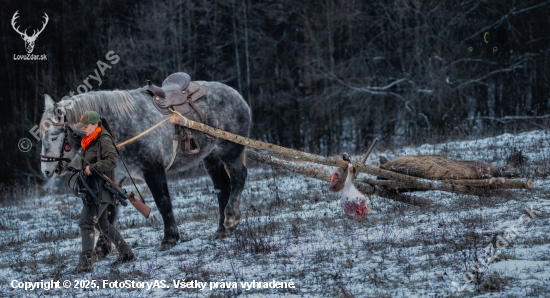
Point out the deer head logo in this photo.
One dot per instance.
(29, 40)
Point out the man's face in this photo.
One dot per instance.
(90, 128)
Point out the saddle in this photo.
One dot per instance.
(178, 93)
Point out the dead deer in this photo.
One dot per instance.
(439, 167)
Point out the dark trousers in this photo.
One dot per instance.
(96, 215)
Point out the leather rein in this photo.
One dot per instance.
(66, 147)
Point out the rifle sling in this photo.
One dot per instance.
(81, 177)
(120, 156)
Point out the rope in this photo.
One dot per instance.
(141, 134)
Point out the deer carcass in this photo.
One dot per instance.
(439, 167)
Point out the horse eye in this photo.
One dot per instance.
(54, 139)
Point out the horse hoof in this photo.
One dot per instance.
(220, 233)
(230, 231)
(167, 244)
(231, 224)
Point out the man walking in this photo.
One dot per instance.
(99, 150)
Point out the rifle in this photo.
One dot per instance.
(120, 193)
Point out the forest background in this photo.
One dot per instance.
(320, 76)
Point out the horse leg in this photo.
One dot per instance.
(232, 158)
(155, 177)
(103, 245)
(222, 187)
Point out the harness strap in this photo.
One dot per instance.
(44, 158)
(188, 139)
(203, 118)
(98, 149)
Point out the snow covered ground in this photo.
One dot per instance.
(293, 232)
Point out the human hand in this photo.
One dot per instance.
(87, 171)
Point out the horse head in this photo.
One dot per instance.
(60, 141)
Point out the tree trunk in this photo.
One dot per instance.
(403, 198)
(402, 181)
(299, 155)
(322, 174)
(463, 185)
(496, 183)
(235, 41)
(249, 97)
(307, 170)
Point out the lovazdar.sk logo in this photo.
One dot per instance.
(29, 40)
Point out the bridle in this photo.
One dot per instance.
(66, 147)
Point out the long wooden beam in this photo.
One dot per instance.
(408, 181)
(492, 183)
(324, 175)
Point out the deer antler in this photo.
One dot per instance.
(15, 16)
(35, 34)
(43, 26)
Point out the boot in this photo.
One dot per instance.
(102, 249)
(125, 254)
(84, 263)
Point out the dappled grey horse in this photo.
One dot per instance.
(129, 113)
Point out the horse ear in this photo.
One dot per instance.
(49, 102)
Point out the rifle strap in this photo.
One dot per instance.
(116, 148)
(98, 149)
(96, 201)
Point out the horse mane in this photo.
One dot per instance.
(120, 102)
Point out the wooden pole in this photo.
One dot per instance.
(367, 154)
(322, 174)
(408, 181)
(307, 170)
(369, 151)
(299, 155)
(496, 183)
(403, 198)
(493, 183)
